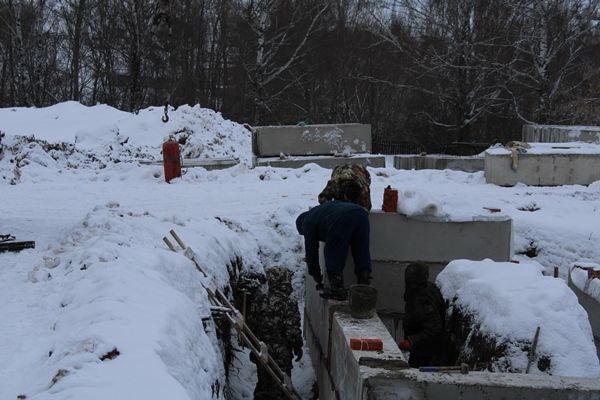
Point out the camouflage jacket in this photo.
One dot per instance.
(342, 172)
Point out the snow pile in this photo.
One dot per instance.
(112, 313)
(507, 301)
(417, 203)
(100, 279)
(70, 135)
(579, 276)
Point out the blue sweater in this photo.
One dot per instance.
(340, 225)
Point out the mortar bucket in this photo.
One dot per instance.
(362, 300)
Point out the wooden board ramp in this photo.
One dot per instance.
(222, 303)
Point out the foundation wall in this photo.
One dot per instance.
(346, 374)
(397, 240)
(543, 169)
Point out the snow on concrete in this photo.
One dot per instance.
(101, 278)
(550, 148)
(579, 276)
(508, 301)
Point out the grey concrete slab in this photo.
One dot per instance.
(324, 139)
(322, 161)
(412, 384)
(439, 161)
(560, 133)
(398, 238)
(543, 169)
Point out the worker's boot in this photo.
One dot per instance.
(335, 290)
(363, 278)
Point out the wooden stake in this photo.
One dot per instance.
(533, 348)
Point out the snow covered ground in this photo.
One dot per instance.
(508, 301)
(100, 279)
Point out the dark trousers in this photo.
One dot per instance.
(352, 232)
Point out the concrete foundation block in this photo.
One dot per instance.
(435, 161)
(397, 240)
(322, 161)
(543, 169)
(311, 139)
(412, 384)
(560, 133)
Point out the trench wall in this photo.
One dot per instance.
(343, 373)
(397, 240)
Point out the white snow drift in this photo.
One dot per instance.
(100, 278)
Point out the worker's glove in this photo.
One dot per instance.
(298, 352)
(406, 344)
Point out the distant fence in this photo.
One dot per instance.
(454, 148)
(392, 147)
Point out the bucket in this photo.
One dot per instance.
(362, 300)
(390, 200)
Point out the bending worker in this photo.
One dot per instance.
(345, 172)
(341, 224)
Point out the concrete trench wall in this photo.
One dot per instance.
(397, 240)
(346, 374)
(543, 169)
(560, 133)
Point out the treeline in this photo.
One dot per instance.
(424, 73)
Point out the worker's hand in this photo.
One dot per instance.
(406, 344)
(298, 352)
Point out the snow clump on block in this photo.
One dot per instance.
(506, 302)
(579, 276)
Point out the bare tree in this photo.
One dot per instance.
(548, 61)
(279, 45)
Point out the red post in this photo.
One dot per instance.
(171, 160)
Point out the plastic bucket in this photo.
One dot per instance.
(362, 300)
